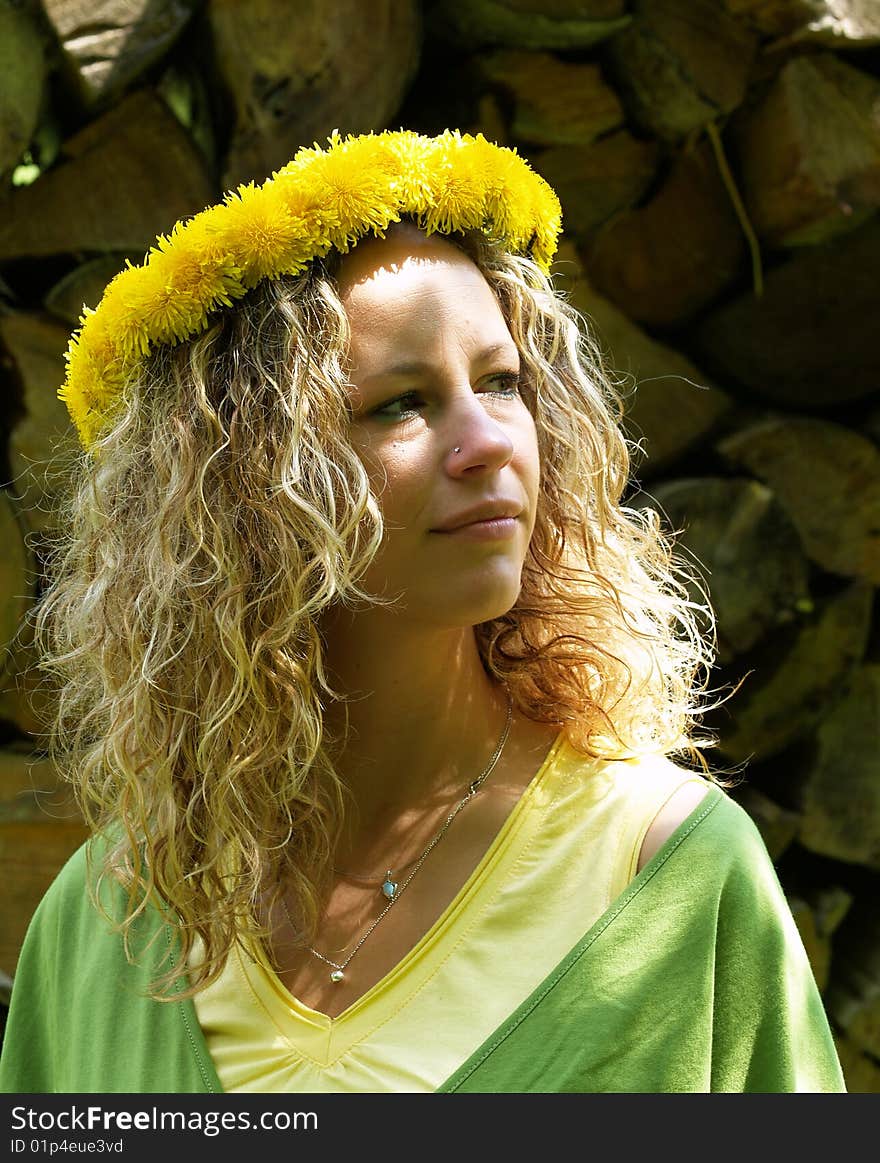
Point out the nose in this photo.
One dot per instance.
(481, 438)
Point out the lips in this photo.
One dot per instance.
(487, 511)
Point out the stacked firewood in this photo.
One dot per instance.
(718, 163)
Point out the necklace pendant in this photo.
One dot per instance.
(337, 975)
(389, 886)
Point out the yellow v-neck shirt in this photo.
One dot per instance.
(566, 851)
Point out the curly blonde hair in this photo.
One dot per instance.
(228, 510)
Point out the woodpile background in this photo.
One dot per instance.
(718, 162)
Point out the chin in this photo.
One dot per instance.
(472, 613)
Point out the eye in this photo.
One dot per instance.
(509, 381)
(507, 384)
(383, 411)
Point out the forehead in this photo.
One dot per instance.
(403, 243)
(409, 287)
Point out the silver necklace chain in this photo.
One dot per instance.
(362, 879)
(472, 789)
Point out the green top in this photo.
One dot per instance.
(695, 979)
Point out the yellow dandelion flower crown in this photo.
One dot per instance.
(324, 198)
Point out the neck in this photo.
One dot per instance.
(424, 718)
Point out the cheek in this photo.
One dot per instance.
(528, 457)
(376, 458)
(393, 478)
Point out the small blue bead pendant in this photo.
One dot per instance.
(389, 886)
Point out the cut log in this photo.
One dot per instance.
(32, 853)
(183, 88)
(827, 477)
(293, 77)
(30, 781)
(808, 152)
(18, 579)
(22, 77)
(870, 424)
(490, 120)
(831, 905)
(853, 997)
(817, 946)
(817, 916)
(795, 678)
(595, 182)
(841, 816)
(670, 404)
(40, 827)
(26, 703)
(818, 949)
(679, 64)
(668, 260)
(841, 24)
(43, 439)
(132, 173)
(554, 24)
(552, 102)
(861, 1072)
(84, 286)
(109, 44)
(808, 342)
(737, 537)
(778, 826)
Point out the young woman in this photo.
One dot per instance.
(381, 704)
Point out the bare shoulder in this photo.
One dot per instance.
(674, 812)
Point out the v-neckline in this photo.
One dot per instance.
(211, 1077)
(262, 974)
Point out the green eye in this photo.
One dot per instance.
(509, 384)
(385, 414)
(511, 380)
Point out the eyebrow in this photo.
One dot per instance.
(419, 366)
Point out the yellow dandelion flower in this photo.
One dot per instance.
(317, 218)
(120, 314)
(358, 196)
(371, 151)
(139, 318)
(95, 341)
(95, 371)
(548, 225)
(256, 233)
(174, 316)
(115, 295)
(459, 196)
(193, 265)
(503, 177)
(284, 203)
(304, 202)
(410, 156)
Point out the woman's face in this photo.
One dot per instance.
(434, 368)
